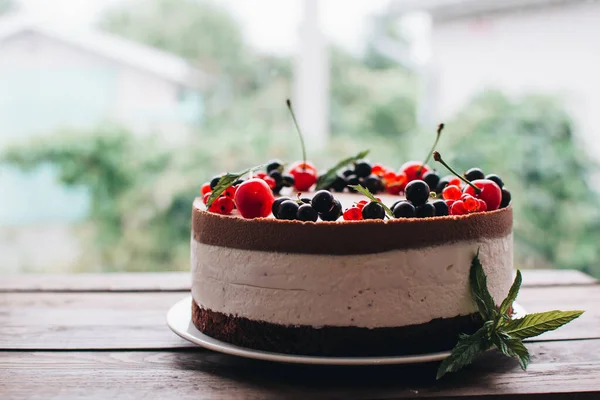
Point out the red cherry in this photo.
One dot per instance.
(205, 189)
(230, 192)
(490, 193)
(451, 193)
(205, 197)
(270, 181)
(458, 208)
(413, 170)
(303, 179)
(222, 205)
(353, 214)
(303, 166)
(254, 198)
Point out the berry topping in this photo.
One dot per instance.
(230, 192)
(274, 165)
(403, 209)
(414, 170)
(471, 204)
(361, 204)
(305, 200)
(214, 182)
(347, 172)
(443, 183)
(373, 210)
(205, 197)
(287, 210)
(222, 205)
(261, 174)
(354, 213)
(306, 212)
(431, 179)
(395, 183)
(451, 193)
(455, 182)
(373, 183)
(506, 197)
(458, 208)
(495, 178)
(474, 173)
(362, 168)
(205, 189)
(417, 192)
(426, 210)
(378, 169)
(277, 176)
(334, 213)
(338, 184)
(304, 179)
(322, 201)
(270, 181)
(441, 208)
(254, 198)
(276, 203)
(287, 180)
(352, 180)
(482, 205)
(488, 191)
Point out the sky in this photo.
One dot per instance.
(343, 21)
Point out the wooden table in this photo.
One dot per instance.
(105, 336)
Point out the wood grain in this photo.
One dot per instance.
(559, 370)
(180, 281)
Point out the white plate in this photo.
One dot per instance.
(179, 319)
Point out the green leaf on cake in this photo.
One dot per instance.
(512, 295)
(466, 350)
(227, 180)
(479, 290)
(329, 176)
(511, 347)
(535, 324)
(366, 192)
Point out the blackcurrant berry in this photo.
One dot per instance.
(277, 189)
(373, 183)
(362, 168)
(431, 179)
(305, 200)
(238, 182)
(334, 213)
(214, 182)
(277, 176)
(322, 201)
(443, 183)
(373, 210)
(474, 173)
(347, 172)
(274, 165)
(276, 203)
(287, 210)
(417, 192)
(426, 210)
(506, 197)
(403, 209)
(441, 208)
(495, 178)
(352, 180)
(287, 180)
(338, 184)
(306, 212)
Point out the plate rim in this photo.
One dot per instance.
(177, 318)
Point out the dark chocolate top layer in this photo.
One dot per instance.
(345, 237)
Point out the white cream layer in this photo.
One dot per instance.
(391, 289)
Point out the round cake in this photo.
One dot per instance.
(350, 286)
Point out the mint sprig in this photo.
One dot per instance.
(328, 177)
(367, 192)
(227, 180)
(498, 329)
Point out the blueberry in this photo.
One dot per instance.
(322, 201)
(431, 179)
(338, 184)
(373, 183)
(287, 180)
(277, 176)
(443, 183)
(274, 165)
(426, 210)
(403, 209)
(495, 178)
(362, 168)
(441, 208)
(288, 209)
(506, 197)
(352, 180)
(214, 182)
(373, 210)
(334, 213)
(306, 212)
(276, 203)
(474, 173)
(417, 192)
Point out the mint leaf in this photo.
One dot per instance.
(511, 347)
(328, 177)
(366, 192)
(479, 290)
(226, 181)
(512, 295)
(466, 350)
(535, 324)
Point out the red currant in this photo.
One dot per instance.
(230, 192)
(482, 205)
(205, 197)
(304, 178)
(261, 174)
(455, 181)
(254, 198)
(471, 204)
(222, 205)
(361, 204)
(270, 181)
(414, 170)
(378, 169)
(458, 208)
(205, 189)
(490, 193)
(396, 182)
(353, 214)
(451, 193)
(449, 203)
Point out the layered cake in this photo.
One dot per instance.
(340, 272)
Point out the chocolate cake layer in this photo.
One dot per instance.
(437, 335)
(345, 237)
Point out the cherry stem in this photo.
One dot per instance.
(437, 139)
(438, 157)
(289, 105)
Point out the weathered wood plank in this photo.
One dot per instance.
(137, 320)
(559, 370)
(181, 281)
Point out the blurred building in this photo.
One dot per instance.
(518, 46)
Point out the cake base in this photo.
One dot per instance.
(437, 335)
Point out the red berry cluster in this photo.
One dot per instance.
(305, 175)
(224, 204)
(354, 213)
(253, 198)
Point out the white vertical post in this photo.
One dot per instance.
(311, 79)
